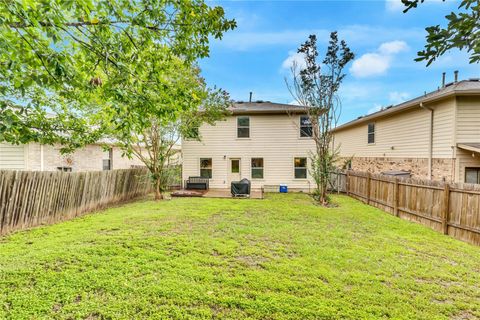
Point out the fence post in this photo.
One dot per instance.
(369, 180)
(395, 198)
(347, 183)
(446, 208)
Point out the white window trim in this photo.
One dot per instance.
(263, 169)
(306, 168)
(300, 128)
(249, 127)
(374, 133)
(200, 165)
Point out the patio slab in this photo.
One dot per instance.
(215, 193)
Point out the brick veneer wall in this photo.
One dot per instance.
(442, 169)
(85, 159)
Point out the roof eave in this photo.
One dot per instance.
(246, 112)
(399, 109)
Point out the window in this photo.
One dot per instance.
(235, 166)
(107, 159)
(257, 168)
(371, 133)
(243, 127)
(305, 127)
(206, 168)
(472, 175)
(300, 168)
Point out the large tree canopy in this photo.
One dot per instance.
(65, 65)
(462, 32)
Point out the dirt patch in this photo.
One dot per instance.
(252, 261)
(441, 282)
(464, 315)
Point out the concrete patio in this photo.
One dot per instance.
(215, 193)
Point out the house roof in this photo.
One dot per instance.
(265, 107)
(475, 147)
(461, 88)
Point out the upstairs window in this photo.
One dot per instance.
(206, 168)
(371, 133)
(305, 127)
(257, 168)
(243, 127)
(300, 168)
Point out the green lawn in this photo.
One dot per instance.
(278, 258)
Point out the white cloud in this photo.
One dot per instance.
(396, 97)
(294, 59)
(394, 5)
(377, 63)
(392, 47)
(370, 64)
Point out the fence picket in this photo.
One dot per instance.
(450, 209)
(28, 199)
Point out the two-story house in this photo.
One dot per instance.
(267, 143)
(435, 136)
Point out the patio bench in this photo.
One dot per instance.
(196, 183)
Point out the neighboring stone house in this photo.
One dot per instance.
(36, 157)
(435, 136)
(268, 143)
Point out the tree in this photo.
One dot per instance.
(316, 87)
(61, 60)
(174, 104)
(461, 32)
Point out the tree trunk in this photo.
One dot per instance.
(158, 192)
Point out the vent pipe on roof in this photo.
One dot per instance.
(251, 93)
(456, 76)
(443, 80)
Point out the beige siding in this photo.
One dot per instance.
(88, 158)
(12, 157)
(443, 129)
(467, 131)
(468, 119)
(404, 135)
(466, 159)
(275, 138)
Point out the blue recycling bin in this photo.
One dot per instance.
(283, 188)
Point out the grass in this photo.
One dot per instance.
(278, 258)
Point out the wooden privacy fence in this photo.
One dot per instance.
(452, 209)
(29, 199)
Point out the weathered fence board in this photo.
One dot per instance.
(29, 199)
(452, 209)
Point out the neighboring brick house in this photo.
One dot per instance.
(268, 143)
(36, 157)
(435, 136)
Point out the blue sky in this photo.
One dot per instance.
(255, 56)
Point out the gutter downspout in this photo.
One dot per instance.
(430, 145)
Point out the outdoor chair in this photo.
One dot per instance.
(196, 183)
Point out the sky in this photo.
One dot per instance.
(257, 55)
